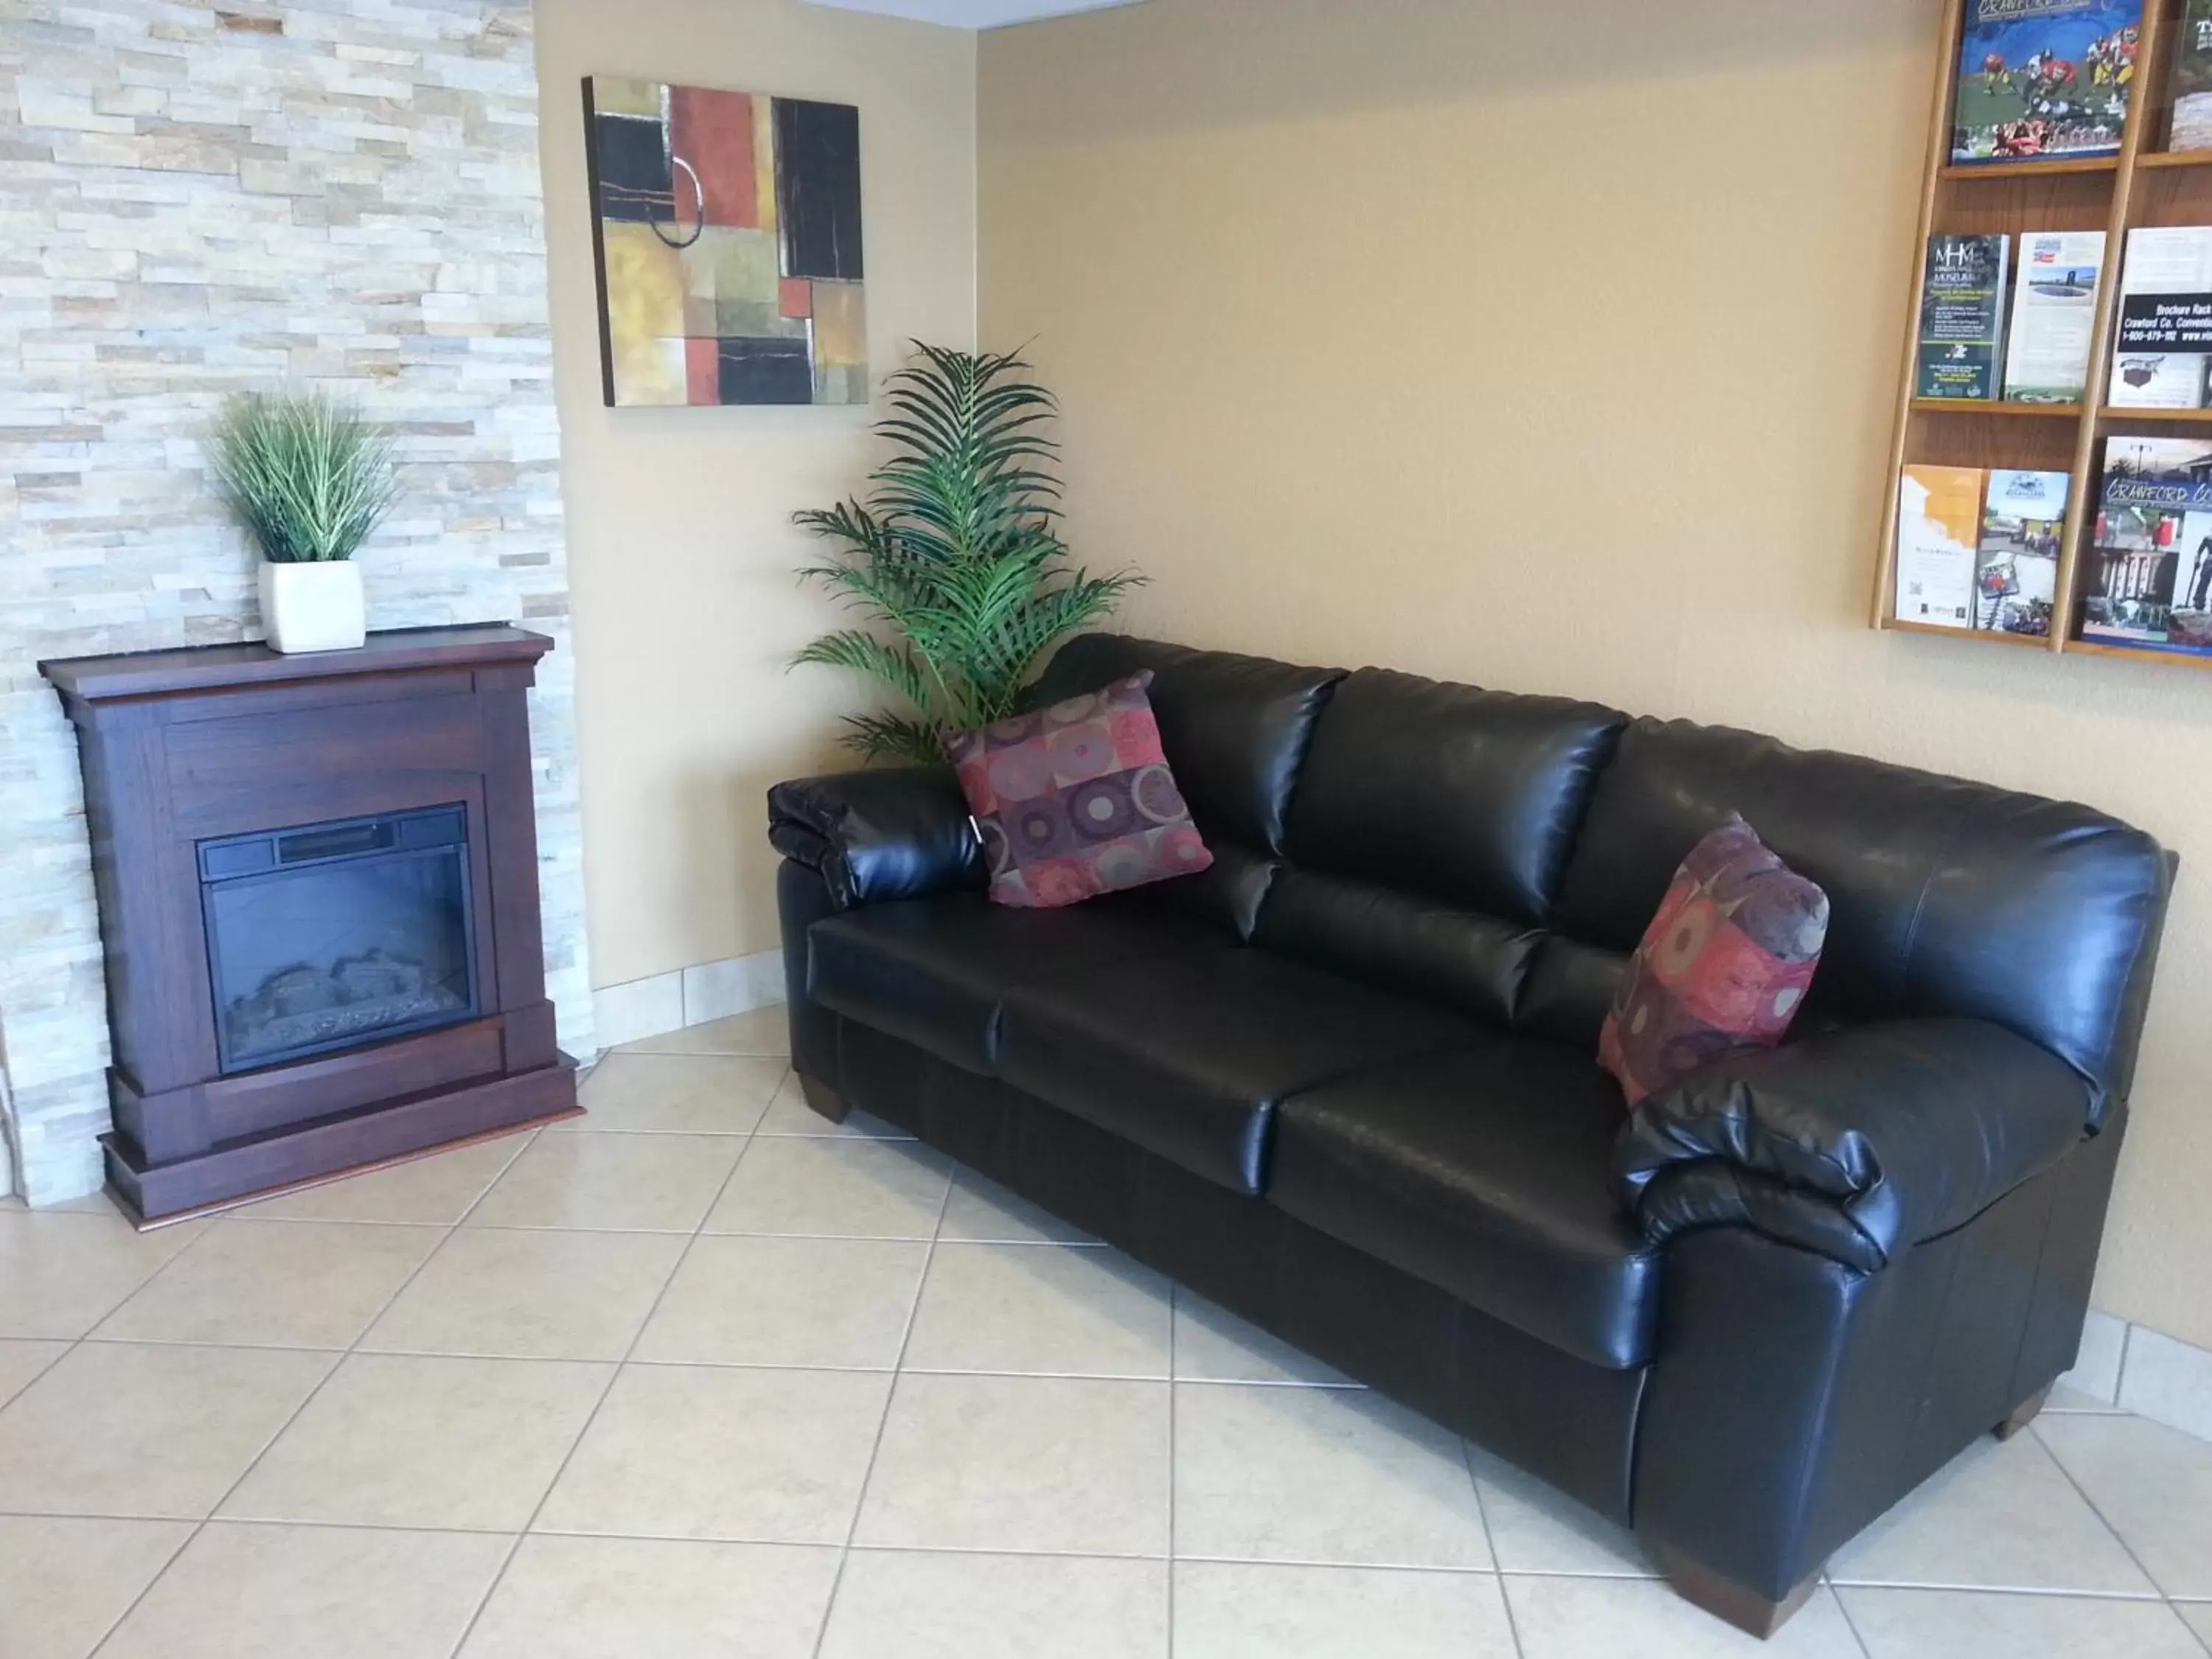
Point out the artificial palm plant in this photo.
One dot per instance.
(954, 556)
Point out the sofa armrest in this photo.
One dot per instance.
(877, 836)
(1856, 1143)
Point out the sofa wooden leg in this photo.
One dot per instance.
(1728, 1601)
(823, 1099)
(2023, 1414)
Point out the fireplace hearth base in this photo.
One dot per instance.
(242, 805)
(126, 1189)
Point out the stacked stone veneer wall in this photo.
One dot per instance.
(196, 202)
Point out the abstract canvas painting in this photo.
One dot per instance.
(727, 225)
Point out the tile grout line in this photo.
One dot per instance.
(632, 1046)
(1422, 1569)
(614, 1375)
(248, 1521)
(2204, 1636)
(883, 1423)
(1280, 1385)
(1843, 1607)
(2119, 1537)
(1318, 1563)
(522, 1143)
(2029, 1592)
(1174, 1306)
(1490, 1547)
(67, 1346)
(193, 1531)
(2105, 1521)
(114, 1307)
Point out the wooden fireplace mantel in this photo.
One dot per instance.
(186, 746)
(232, 667)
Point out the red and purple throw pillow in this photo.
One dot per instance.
(1077, 800)
(1722, 969)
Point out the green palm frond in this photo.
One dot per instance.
(888, 737)
(867, 654)
(954, 563)
(1064, 610)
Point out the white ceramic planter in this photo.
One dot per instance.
(312, 607)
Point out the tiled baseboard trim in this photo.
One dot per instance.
(2145, 1372)
(686, 996)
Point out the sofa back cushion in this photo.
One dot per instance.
(1234, 728)
(1429, 832)
(1468, 796)
(1948, 898)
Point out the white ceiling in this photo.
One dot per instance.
(974, 13)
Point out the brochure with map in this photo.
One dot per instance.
(1939, 533)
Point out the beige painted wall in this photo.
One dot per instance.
(1554, 347)
(681, 547)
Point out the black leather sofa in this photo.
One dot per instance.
(1344, 1083)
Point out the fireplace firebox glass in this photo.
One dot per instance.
(333, 934)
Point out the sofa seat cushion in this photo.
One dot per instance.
(933, 971)
(1486, 1172)
(1188, 1055)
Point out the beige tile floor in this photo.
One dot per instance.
(701, 1376)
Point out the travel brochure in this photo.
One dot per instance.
(2016, 563)
(2054, 316)
(1939, 518)
(1968, 348)
(1962, 316)
(1978, 345)
(2150, 576)
(2041, 78)
(2164, 347)
(2054, 79)
(1977, 550)
(2192, 79)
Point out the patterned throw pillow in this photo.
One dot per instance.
(1722, 969)
(1077, 800)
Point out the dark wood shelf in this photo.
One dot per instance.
(2051, 167)
(2008, 407)
(2176, 158)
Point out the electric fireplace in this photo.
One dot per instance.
(318, 883)
(335, 933)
